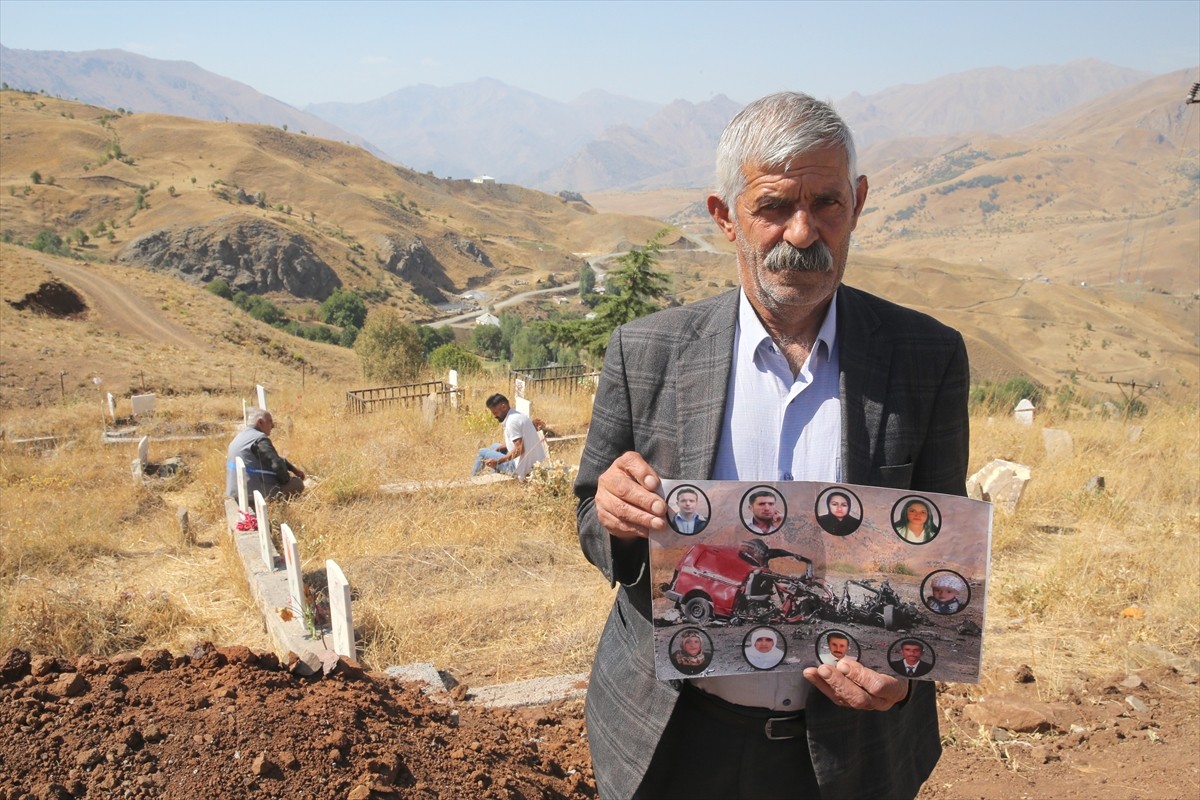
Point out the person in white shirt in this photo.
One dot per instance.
(522, 446)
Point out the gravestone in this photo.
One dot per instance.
(452, 379)
(429, 410)
(519, 387)
(341, 619)
(112, 408)
(524, 406)
(1059, 445)
(264, 530)
(262, 396)
(239, 467)
(1001, 483)
(245, 408)
(291, 562)
(1135, 433)
(143, 404)
(1023, 413)
(142, 461)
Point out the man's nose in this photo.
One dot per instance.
(801, 230)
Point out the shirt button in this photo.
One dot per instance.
(787, 476)
(787, 701)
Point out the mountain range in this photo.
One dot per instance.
(596, 142)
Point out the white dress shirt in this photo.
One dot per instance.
(777, 428)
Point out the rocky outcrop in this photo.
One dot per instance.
(414, 262)
(251, 255)
(469, 249)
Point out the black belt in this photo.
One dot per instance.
(755, 720)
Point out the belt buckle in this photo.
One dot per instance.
(769, 728)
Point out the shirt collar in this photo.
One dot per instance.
(752, 335)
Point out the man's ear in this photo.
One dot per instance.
(721, 216)
(860, 197)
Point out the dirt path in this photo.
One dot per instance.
(119, 307)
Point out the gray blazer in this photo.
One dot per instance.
(904, 382)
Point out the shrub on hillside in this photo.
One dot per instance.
(343, 308)
(219, 287)
(451, 356)
(1002, 397)
(388, 347)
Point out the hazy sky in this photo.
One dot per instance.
(307, 52)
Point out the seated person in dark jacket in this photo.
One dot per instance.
(266, 470)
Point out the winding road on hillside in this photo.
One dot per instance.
(119, 307)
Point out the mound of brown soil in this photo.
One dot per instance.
(52, 298)
(227, 722)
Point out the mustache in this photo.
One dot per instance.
(786, 258)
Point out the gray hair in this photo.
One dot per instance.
(772, 131)
(255, 416)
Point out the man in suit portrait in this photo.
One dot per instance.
(687, 518)
(910, 663)
(792, 376)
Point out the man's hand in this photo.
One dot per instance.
(626, 504)
(299, 473)
(848, 683)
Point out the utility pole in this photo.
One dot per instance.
(1132, 391)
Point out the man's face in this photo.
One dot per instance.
(839, 506)
(764, 644)
(838, 647)
(917, 514)
(687, 504)
(266, 424)
(500, 411)
(764, 509)
(813, 201)
(911, 653)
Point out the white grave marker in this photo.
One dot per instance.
(524, 406)
(143, 459)
(264, 530)
(262, 396)
(519, 386)
(142, 404)
(112, 408)
(1023, 413)
(240, 466)
(429, 408)
(452, 379)
(340, 617)
(291, 562)
(245, 419)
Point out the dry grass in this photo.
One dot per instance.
(489, 581)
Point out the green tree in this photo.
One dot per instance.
(47, 241)
(587, 280)
(79, 236)
(35, 176)
(433, 338)
(451, 356)
(636, 288)
(510, 326)
(389, 348)
(349, 336)
(488, 340)
(343, 308)
(532, 346)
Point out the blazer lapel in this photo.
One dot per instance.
(864, 356)
(701, 373)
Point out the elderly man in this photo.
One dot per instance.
(794, 376)
(266, 470)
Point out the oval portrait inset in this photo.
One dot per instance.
(764, 647)
(763, 510)
(688, 510)
(916, 520)
(834, 645)
(911, 658)
(691, 651)
(838, 511)
(944, 591)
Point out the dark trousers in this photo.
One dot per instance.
(713, 750)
